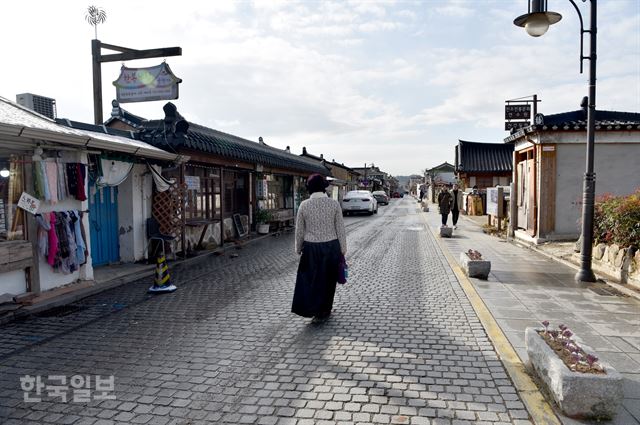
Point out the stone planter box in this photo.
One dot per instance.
(446, 232)
(263, 228)
(579, 395)
(475, 268)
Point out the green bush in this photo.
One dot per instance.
(617, 220)
(263, 216)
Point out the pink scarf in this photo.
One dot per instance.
(52, 177)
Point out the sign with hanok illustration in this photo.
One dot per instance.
(146, 84)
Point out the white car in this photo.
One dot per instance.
(359, 201)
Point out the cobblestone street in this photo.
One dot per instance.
(403, 345)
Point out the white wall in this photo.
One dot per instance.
(13, 282)
(134, 207)
(617, 168)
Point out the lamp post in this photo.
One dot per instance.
(536, 23)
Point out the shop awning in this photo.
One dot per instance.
(22, 127)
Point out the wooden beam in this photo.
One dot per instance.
(142, 54)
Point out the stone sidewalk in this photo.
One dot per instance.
(526, 287)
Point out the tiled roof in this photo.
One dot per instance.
(96, 128)
(321, 158)
(577, 121)
(474, 157)
(208, 140)
(120, 114)
(445, 166)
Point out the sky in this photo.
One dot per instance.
(393, 83)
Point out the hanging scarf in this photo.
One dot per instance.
(81, 193)
(62, 182)
(72, 179)
(77, 231)
(62, 259)
(45, 185)
(84, 238)
(72, 260)
(52, 255)
(52, 180)
(43, 234)
(38, 180)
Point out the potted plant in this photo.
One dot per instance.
(473, 264)
(263, 217)
(581, 384)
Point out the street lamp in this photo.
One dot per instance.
(536, 23)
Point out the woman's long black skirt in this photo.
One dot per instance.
(316, 280)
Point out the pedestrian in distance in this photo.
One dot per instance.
(456, 196)
(320, 240)
(445, 202)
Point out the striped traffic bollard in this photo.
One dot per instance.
(162, 282)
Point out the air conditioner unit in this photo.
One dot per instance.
(42, 105)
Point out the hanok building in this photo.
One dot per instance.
(227, 178)
(343, 178)
(372, 178)
(437, 177)
(72, 173)
(483, 164)
(550, 165)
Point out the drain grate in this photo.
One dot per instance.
(61, 311)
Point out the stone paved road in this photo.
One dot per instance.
(403, 345)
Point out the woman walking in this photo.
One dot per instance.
(321, 239)
(445, 201)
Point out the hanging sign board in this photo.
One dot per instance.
(517, 112)
(29, 203)
(515, 125)
(146, 84)
(262, 189)
(192, 182)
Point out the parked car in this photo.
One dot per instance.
(381, 197)
(359, 201)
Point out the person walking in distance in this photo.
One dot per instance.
(320, 239)
(456, 195)
(445, 202)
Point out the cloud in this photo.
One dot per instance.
(456, 8)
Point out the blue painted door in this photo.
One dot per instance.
(103, 217)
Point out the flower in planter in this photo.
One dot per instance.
(545, 323)
(562, 327)
(592, 359)
(474, 255)
(567, 333)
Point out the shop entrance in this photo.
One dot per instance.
(103, 218)
(526, 192)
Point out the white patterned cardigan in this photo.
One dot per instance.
(319, 219)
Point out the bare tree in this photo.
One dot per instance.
(95, 15)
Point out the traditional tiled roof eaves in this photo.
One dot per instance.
(577, 121)
(208, 140)
(483, 157)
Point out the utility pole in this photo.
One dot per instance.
(126, 54)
